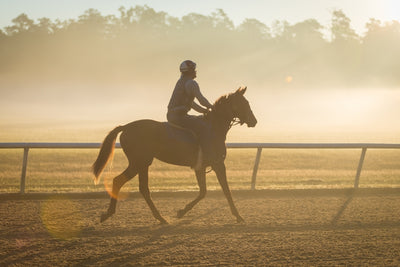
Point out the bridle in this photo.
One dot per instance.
(235, 121)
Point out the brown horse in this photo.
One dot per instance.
(144, 140)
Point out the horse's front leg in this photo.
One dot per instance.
(220, 171)
(201, 180)
(144, 190)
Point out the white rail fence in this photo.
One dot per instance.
(259, 146)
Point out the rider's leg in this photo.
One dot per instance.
(207, 140)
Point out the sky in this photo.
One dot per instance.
(266, 11)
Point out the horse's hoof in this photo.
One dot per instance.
(105, 216)
(180, 213)
(163, 222)
(239, 219)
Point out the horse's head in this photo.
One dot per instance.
(241, 108)
(235, 106)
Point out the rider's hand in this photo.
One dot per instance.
(206, 111)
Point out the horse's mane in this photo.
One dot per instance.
(222, 100)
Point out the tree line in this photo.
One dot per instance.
(141, 43)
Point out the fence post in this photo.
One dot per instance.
(23, 173)
(255, 169)
(360, 165)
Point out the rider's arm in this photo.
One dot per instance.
(198, 108)
(194, 89)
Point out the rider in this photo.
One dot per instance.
(182, 101)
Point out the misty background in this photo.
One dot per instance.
(76, 79)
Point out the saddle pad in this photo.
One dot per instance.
(181, 134)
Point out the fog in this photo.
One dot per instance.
(284, 115)
(80, 78)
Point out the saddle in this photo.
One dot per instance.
(179, 133)
(185, 135)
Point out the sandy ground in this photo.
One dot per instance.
(291, 228)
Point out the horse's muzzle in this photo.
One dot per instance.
(252, 121)
(252, 124)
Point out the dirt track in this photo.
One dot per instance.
(280, 229)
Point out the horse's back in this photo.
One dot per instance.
(167, 142)
(153, 127)
(141, 133)
(144, 123)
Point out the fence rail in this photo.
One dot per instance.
(259, 146)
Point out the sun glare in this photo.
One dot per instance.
(352, 106)
(289, 79)
(326, 111)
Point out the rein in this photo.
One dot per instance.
(235, 121)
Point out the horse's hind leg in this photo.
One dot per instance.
(144, 190)
(201, 180)
(118, 182)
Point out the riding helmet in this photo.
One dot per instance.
(187, 65)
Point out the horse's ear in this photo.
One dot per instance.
(241, 90)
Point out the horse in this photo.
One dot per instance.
(144, 140)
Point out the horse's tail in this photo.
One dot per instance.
(106, 153)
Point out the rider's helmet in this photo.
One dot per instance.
(187, 66)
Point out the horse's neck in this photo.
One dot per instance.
(221, 125)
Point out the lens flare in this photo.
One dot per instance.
(289, 79)
(61, 217)
(108, 184)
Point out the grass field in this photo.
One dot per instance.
(68, 170)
